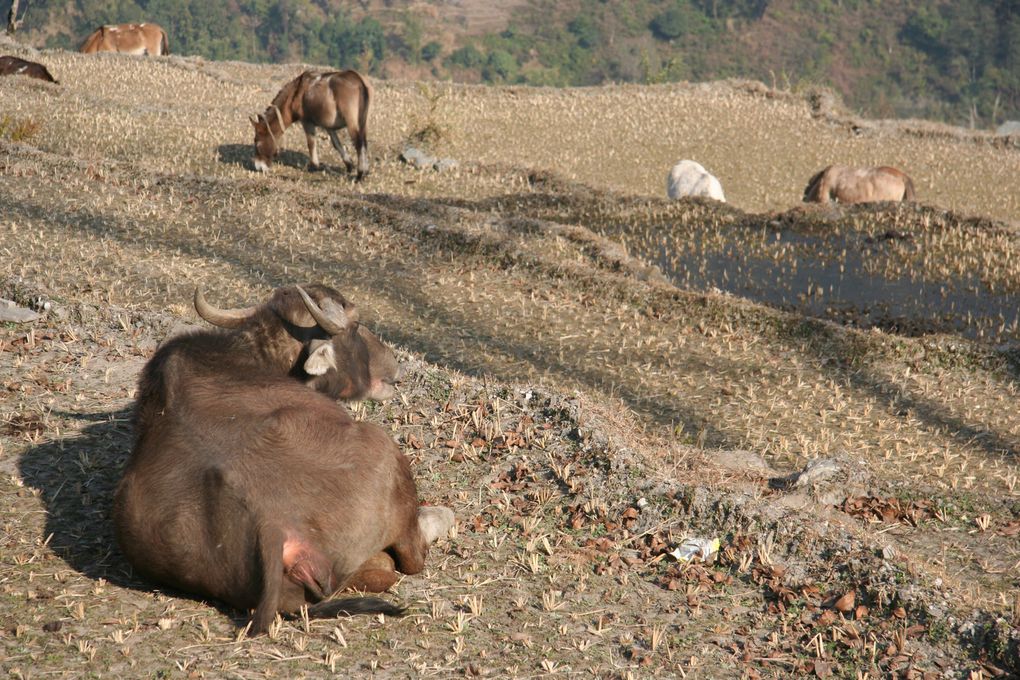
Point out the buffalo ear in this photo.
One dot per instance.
(321, 357)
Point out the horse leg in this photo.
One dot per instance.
(335, 139)
(825, 191)
(361, 143)
(313, 152)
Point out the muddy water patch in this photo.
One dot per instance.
(899, 280)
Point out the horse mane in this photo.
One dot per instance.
(811, 190)
(286, 93)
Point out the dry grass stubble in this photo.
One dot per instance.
(160, 201)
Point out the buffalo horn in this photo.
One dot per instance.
(333, 321)
(224, 318)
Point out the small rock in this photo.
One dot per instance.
(444, 164)
(10, 311)
(740, 461)
(816, 471)
(1010, 127)
(417, 158)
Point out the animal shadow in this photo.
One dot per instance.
(241, 154)
(76, 477)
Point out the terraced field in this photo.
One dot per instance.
(595, 374)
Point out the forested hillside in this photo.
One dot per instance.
(957, 61)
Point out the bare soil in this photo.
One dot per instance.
(580, 404)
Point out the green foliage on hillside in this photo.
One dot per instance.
(955, 60)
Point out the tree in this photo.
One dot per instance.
(13, 23)
(431, 50)
(466, 57)
(585, 30)
(680, 19)
(500, 66)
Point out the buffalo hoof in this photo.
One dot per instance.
(434, 521)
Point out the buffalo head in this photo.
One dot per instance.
(313, 334)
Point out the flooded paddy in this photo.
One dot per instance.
(910, 269)
(882, 278)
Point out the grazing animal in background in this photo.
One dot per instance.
(246, 486)
(688, 178)
(859, 185)
(331, 100)
(147, 39)
(15, 66)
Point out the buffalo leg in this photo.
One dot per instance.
(335, 139)
(434, 521)
(409, 551)
(376, 575)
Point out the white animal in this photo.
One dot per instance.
(688, 178)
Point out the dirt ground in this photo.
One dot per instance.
(581, 407)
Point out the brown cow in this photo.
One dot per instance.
(246, 486)
(14, 66)
(331, 100)
(147, 39)
(859, 185)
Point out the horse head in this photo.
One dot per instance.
(267, 146)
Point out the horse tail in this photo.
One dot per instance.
(366, 94)
(362, 141)
(908, 188)
(165, 42)
(811, 190)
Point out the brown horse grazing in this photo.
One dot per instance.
(147, 39)
(331, 100)
(859, 185)
(13, 66)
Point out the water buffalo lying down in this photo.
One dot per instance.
(14, 66)
(246, 486)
